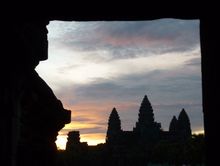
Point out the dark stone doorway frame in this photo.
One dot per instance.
(209, 33)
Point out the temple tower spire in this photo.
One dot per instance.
(173, 125)
(184, 127)
(146, 128)
(114, 127)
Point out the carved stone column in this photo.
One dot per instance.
(31, 115)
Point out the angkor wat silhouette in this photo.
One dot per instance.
(147, 131)
(136, 147)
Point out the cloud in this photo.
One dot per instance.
(95, 66)
(81, 118)
(170, 94)
(167, 81)
(116, 48)
(195, 62)
(83, 71)
(127, 38)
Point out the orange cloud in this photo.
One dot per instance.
(93, 139)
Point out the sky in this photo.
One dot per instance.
(95, 66)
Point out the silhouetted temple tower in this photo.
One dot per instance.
(114, 127)
(145, 116)
(184, 127)
(180, 129)
(146, 128)
(173, 128)
(72, 140)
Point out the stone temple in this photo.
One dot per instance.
(147, 131)
(129, 148)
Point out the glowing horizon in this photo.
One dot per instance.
(92, 140)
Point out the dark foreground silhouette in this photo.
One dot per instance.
(24, 45)
(147, 144)
(191, 152)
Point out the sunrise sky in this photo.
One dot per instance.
(95, 66)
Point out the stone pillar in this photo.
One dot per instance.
(209, 30)
(31, 115)
(42, 116)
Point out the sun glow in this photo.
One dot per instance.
(199, 132)
(91, 139)
(61, 141)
